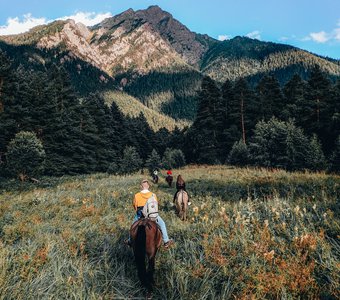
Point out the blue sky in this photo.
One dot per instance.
(313, 25)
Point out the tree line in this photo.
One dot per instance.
(44, 122)
(41, 115)
(288, 127)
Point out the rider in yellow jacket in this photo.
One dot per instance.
(138, 203)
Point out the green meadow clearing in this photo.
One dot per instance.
(250, 234)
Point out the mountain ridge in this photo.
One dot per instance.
(136, 49)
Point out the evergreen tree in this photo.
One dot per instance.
(153, 162)
(270, 98)
(223, 121)
(9, 106)
(131, 161)
(242, 112)
(280, 145)
(319, 98)
(335, 157)
(203, 133)
(25, 155)
(105, 144)
(296, 107)
(60, 129)
(239, 154)
(163, 139)
(178, 158)
(316, 160)
(119, 128)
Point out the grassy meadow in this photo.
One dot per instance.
(250, 234)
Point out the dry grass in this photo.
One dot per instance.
(251, 234)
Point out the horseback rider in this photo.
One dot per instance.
(180, 185)
(139, 201)
(169, 177)
(155, 176)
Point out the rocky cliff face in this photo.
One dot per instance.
(152, 40)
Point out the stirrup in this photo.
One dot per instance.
(168, 244)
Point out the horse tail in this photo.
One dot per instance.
(182, 199)
(140, 253)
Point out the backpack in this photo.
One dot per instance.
(150, 209)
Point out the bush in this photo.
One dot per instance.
(25, 155)
(113, 168)
(173, 158)
(239, 154)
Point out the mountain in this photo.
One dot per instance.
(154, 58)
(244, 57)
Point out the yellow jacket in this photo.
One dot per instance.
(141, 198)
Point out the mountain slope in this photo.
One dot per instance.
(243, 57)
(152, 56)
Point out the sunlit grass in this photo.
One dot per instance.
(251, 233)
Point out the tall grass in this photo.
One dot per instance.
(251, 234)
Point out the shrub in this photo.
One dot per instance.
(173, 158)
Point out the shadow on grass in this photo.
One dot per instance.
(261, 189)
(116, 262)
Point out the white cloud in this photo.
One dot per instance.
(15, 25)
(224, 37)
(254, 35)
(283, 39)
(87, 18)
(320, 37)
(337, 34)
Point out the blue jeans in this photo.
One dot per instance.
(161, 224)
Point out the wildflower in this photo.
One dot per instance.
(297, 209)
(238, 217)
(195, 209)
(269, 255)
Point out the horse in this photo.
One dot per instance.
(146, 239)
(169, 180)
(181, 202)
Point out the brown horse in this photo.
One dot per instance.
(169, 179)
(181, 203)
(146, 239)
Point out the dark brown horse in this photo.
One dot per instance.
(169, 179)
(146, 239)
